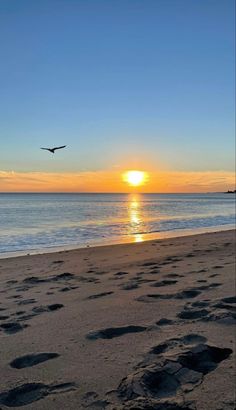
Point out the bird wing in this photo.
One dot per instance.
(63, 146)
(45, 148)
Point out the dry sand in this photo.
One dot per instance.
(138, 326)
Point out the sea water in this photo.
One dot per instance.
(43, 221)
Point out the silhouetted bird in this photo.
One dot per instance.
(52, 150)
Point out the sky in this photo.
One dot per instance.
(125, 84)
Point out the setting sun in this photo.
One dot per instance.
(135, 178)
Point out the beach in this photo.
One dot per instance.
(146, 325)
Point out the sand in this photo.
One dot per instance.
(135, 326)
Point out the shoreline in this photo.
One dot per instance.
(138, 238)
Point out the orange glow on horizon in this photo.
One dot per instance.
(111, 181)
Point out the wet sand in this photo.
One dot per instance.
(135, 326)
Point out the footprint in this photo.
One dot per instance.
(129, 285)
(63, 276)
(67, 288)
(48, 308)
(34, 280)
(4, 317)
(209, 287)
(12, 327)
(230, 299)
(112, 332)
(99, 295)
(23, 288)
(153, 271)
(26, 302)
(164, 322)
(31, 392)
(164, 282)
(118, 275)
(15, 297)
(190, 339)
(188, 294)
(88, 279)
(37, 310)
(185, 294)
(200, 303)
(138, 280)
(193, 314)
(30, 360)
(168, 376)
(204, 358)
(149, 264)
(11, 282)
(220, 311)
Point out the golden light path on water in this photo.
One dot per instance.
(135, 218)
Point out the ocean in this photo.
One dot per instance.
(36, 222)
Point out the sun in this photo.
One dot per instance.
(135, 178)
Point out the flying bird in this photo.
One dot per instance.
(52, 150)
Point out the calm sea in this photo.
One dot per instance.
(38, 221)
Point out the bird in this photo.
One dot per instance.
(52, 150)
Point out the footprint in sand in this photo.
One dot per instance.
(130, 285)
(30, 392)
(120, 274)
(67, 289)
(26, 302)
(193, 314)
(37, 310)
(48, 308)
(12, 327)
(222, 311)
(30, 360)
(164, 282)
(99, 295)
(169, 370)
(185, 294)
(149, 264)
(110, 333)
(174, 275)
(164, 322)
(3, 317)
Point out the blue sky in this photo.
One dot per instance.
(119, 81)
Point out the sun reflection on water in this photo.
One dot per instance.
(135, 218)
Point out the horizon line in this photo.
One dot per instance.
(112, 193)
